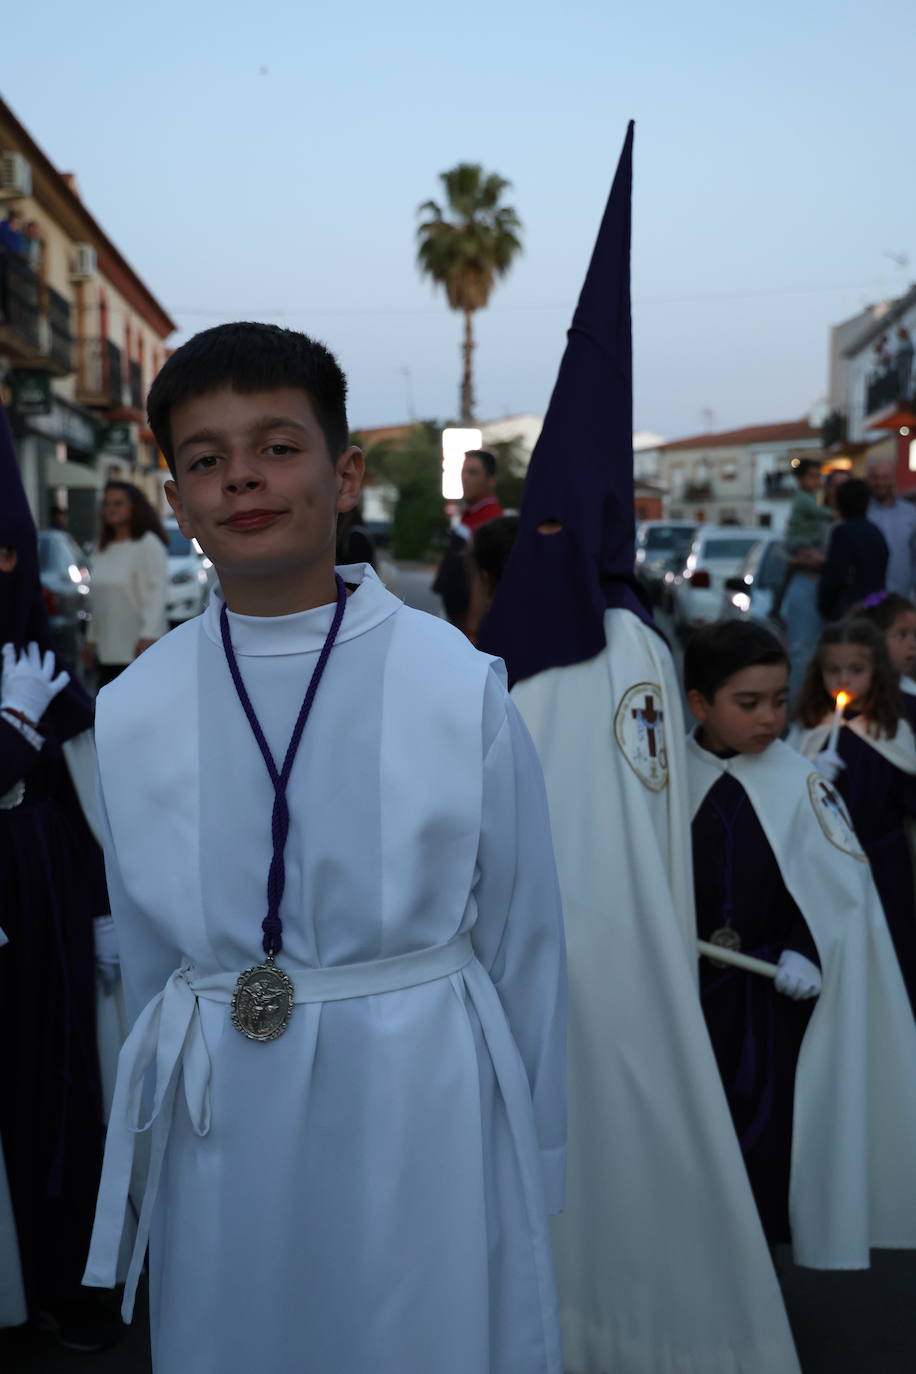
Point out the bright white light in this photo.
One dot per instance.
(742, 602)
(904, 429)
(912, 462)
(455, 444)
(74, 574)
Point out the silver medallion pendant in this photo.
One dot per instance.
(726, 938)
(262, 1002)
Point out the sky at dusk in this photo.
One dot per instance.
(265, 161)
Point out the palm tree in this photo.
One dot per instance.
(465, 248)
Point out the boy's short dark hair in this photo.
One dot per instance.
(718, 651)
(251, 357)
(852, 498)
(487, 458)
(802, 466)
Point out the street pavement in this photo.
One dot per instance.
(844, 1323)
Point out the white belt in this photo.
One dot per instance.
(168, 1033)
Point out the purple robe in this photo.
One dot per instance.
(51, 1121)
(756, 1032)
(880, 797)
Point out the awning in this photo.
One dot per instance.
(71, 475)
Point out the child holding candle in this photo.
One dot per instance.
(815, 1087)
(873, 763)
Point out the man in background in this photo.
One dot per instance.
(896, 519)
(453, 581)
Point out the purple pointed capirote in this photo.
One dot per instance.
(549, 608)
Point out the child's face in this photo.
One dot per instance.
(255, 484)
(847, 668)
(901, 643)
(747, 713)
(810, 481)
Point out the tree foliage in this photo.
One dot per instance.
(412, 464)
(465, 246)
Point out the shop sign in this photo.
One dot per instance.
(118, 440)
(31, 393)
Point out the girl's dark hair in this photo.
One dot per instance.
(251, 357)
(883, 705)
(716, 652)
(143, 519)
(882, 609)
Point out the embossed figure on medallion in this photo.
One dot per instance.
(262, 1002)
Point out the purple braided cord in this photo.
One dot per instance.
(272, 926)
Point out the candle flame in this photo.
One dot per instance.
(842, 700)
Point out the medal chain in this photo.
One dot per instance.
(272, 926)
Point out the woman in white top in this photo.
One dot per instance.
(128, 582)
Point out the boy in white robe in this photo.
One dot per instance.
(355, 1146)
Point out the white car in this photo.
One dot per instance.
(187, 588)
(716, 554)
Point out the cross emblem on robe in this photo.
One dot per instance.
(648, 716)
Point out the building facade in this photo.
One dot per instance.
(736, 477)
(81, 338)
(874, 404)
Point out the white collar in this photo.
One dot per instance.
(305, 631)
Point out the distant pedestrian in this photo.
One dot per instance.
(453, 580)
(896, 519)
(129, 569)
(12, 237)
(806, 527)
(857, 555)
(835, 478)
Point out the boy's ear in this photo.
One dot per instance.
(173, 496)
(350, 467)
(699, 706)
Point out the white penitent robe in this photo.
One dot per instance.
(853, 1186)
(370, 1191)
(662, 1266)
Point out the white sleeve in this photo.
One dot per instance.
(519, 935)
(147, 961)
(151, 577)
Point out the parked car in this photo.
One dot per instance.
(65, 583)
(750, 594)
(188, 586)
(658, 543)
(716, 553)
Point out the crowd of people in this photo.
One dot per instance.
(361, 878)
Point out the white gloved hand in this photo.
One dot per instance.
(829, 763)
(107, 956)
(28, 683)
(797, 977)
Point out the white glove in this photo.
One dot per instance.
(107, 957)
(797, 977)
(28, 684)
(830, 764)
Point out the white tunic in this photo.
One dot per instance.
(662, 1265)
(370, 1191)
(128, 596)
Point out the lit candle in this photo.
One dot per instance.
(842, 701)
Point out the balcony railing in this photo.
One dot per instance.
(19, 298)
(61, 342)
(100, 375)
(834, 429)
(135, 385)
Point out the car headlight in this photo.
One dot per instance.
(185, 575)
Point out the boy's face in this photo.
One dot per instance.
(810, 481)
(747, 713)
(255, 484)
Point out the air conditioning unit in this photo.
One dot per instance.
(15, 176)
(84, 264)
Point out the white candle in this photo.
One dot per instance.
(732, 956)
(842, 700)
